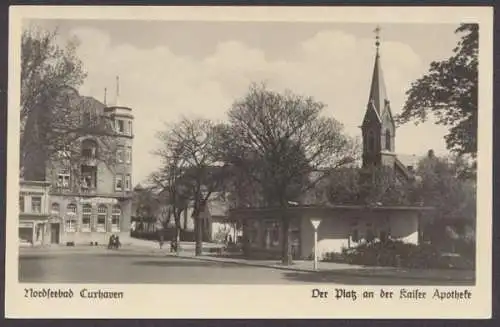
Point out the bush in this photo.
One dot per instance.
(399, 254)
(332, 257)
(168, 234)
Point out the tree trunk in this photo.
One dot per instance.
(286, 250)
(185, 220)
(198, 234)
(198, 229)
(177, 219)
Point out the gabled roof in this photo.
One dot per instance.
(371, 113)
(402, 169)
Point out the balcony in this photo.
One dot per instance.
(85, 190)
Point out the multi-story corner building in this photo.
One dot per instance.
(33, 212)
(91, 196)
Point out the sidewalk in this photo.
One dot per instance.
(344, 269)
(184, 246)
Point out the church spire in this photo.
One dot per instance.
(378, 95)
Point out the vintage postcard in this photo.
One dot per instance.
(249, 162)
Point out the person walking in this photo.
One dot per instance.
(159, 230)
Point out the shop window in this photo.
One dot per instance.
(70, 221)
(70, 225)
(21, 203)
(36, 204)
(115, 219)
(86, 217)
(102, 213)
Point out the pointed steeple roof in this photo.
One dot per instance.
(378, 95)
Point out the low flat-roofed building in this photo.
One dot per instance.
(342, 226)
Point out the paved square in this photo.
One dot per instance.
(146, 266)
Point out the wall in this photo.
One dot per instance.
(405, 227)
(333, 233)
(335, 230)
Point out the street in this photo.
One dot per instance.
(125, 266)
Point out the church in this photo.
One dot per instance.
(343, 226)
(378, 127)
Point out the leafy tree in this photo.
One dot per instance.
(442, 186)
(375, 186)
(282, 144)
(449, 91)
(54, 117)
(145, 202)
(190, 157)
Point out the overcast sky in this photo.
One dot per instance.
(168, 69)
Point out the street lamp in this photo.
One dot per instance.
(315, 222)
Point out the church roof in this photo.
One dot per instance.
(378, 94)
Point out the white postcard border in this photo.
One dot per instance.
(254, 301)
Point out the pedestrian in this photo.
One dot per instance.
(161, 237)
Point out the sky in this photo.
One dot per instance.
(170, 69)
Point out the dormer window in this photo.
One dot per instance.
(89, 149)
(63, 177)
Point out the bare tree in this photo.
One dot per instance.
(190, 158)
(54, 117)
(281, 142)
(168, 179)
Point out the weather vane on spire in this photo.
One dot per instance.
(377, 36)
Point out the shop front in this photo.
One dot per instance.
(33, 212)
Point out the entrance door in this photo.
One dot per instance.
(54, 233)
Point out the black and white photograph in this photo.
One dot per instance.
(339, 155)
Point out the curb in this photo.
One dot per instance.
(337, 272)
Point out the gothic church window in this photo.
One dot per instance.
(371, 141)
(388, 139)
